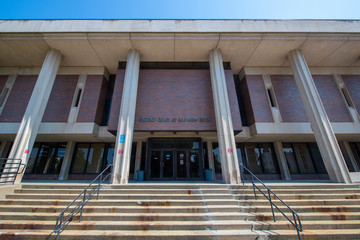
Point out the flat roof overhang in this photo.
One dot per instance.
(244, 43)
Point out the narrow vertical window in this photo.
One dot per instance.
(78, 95)
(347, 97)
(271, 98)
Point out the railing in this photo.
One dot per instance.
(296, 222)
(77, 205)
(9, 169)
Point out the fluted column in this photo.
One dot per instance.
(125, 129)
(323, 132)
(224, 126)
(35, 109)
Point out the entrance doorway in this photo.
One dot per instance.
(174, 159)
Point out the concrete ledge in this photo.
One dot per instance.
(145, 26)
(355, 177)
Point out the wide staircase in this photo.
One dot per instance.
(182, 211)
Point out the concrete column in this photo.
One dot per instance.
(4, 148)
(31, 121)
(284, 169)
(225, 132)
(323, 132)
(211, 158)
(124, 136)
(65, 167)
(137, 158)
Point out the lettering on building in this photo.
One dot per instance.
(180, 120)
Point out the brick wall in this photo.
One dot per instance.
(116, 101)
(233, 101)
(255, 98)
(288, 98)
(3, 79)
(331, 98)
(18, 99)
(59, 105)
(93, 99)
(352, 83)
(174, 94)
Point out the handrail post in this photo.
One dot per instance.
(99, 185)
(296, 222)
(296, 226)
(253, 184)
(82, 205)
(241, 174)
(271, 204)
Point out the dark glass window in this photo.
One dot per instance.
(91, 157)
(216, 156)
(143, 156)
(46, 158)
(304, 158)
(260, 158)
(132, 157)
(290, 158)
(206, 156)
(355, 149)
(316, 156)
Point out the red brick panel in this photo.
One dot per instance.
(254, 91)
(116, 101)
(174, 94)
(3, 79)
(18, 99)
(352, 83)
(91, 103)
(331, 98)
(101, 102)
(288, 98)
(233, 101)
(59, 105)
(247, 101)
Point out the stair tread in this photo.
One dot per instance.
(213, 222)
(138, 232)
(129, 214)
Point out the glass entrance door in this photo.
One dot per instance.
(181, 164)
(174, 164)
(162, 164)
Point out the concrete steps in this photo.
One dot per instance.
(182, 211)
(327, 211)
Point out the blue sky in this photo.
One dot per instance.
(176, 9)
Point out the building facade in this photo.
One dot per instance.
(175, 97)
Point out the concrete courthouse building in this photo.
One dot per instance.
(176, 97)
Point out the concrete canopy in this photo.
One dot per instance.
(244, 43)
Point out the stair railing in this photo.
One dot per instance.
(295, 221)
(77, 205)
(9, 169)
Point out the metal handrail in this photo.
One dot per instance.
(64, 219)
(296, 219)
(9, 169)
